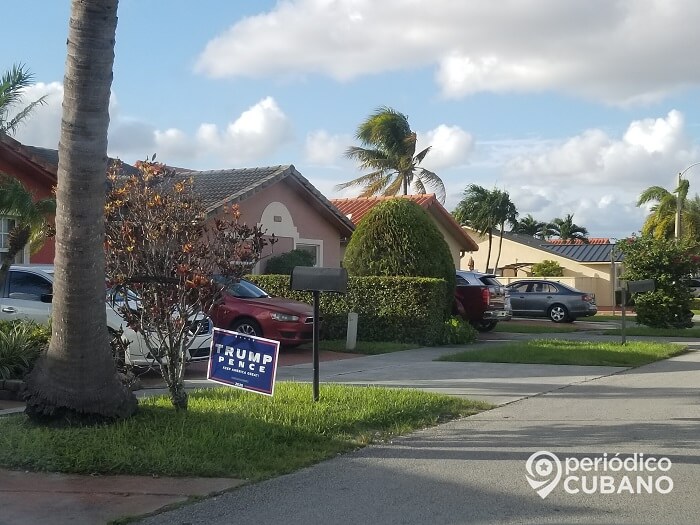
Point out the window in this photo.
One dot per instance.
(29, 283)
(310, 248)
(6, 225)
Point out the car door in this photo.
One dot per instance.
(518, 299)
(27, 295)
(540, 298)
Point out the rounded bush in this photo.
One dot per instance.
(398, 238)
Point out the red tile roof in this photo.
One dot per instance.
(592, 240)
(356, 208)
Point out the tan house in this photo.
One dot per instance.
(459, 242)
(588, 267)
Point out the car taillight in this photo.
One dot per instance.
(587, 298)
(486, 296)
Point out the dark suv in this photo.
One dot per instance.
(481, 299)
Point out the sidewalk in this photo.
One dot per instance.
(401, 475)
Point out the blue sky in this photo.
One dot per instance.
(571, 106)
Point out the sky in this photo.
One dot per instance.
(572, 106)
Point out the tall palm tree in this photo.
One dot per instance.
(566, 230)
(505, 211)
(31, 220)
(660, 223)
(12, 85)
(528, 225)
(76, 379)
(389, 150)
(484, 210)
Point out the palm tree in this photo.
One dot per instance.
(528, 225)
(484, 210)
(30, 220)
(662, 217)
(505, 211)
(76, 379)
(390, 152)
(566, 230)
(12, 84)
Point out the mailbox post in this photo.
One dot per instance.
(317, 280)
(644, 285)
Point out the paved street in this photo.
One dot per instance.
(473, 470)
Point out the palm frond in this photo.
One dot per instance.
(435, 182)
(363, 180)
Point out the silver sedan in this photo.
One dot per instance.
(543, 298)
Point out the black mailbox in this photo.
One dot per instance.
(645, 285)
(317, 280)
(311, 279)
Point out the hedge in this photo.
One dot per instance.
(401, 309)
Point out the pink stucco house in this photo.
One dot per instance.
(282, 202)
(277, 198)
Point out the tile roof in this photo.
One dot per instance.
(219, 187)
(591, 240)
(47, 158)
(356, 208)
(216, 187)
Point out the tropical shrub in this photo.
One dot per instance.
(398, 238)
(284, 263)
(670, 264)
(547, 268)
(21, 343)
(457, 331)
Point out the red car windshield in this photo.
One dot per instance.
(246, 290)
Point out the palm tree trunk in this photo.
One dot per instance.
(500, 245)
(488, 254)
(77, 379)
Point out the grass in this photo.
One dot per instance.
(636, 329)
(558, 352)
(229, 433)
(363, 347)
(521, 328)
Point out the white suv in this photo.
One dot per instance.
(27, 294)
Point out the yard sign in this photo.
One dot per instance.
(243, 361)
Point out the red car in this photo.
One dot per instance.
(249, 310)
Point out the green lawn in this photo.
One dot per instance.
(635, 329)
(522, 328)
(363, 347)
(559, 352)
(230, 433)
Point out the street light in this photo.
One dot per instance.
(679, 201)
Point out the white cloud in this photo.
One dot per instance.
(598, 177)
(43, 126)
(256, 133)
(324, 149)
(449, 147)
(259, 130)
(593, 49)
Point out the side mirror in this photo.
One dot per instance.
(46, 297)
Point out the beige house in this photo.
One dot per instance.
(587, 267)
(459, 241)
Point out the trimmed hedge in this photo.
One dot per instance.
(401, 309)
(283, 264)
